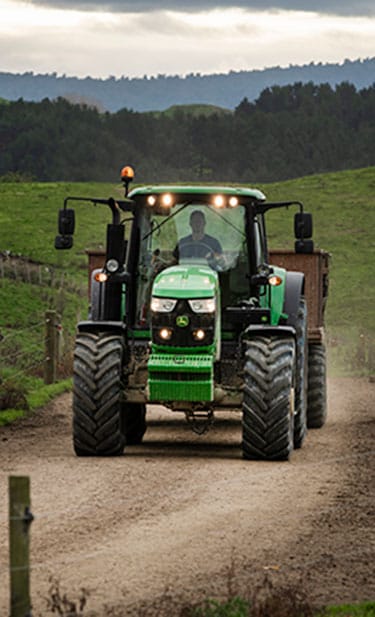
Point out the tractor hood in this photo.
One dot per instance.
(186, 281)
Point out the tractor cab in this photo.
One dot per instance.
(192, 254)
(184, 239)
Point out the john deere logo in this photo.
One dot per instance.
(182, 321)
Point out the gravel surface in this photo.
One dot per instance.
(184, 516)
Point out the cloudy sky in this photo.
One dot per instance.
(89, 37)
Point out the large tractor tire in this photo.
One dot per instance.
(317, 387)
(134, 422)
(97, 395)
(300, 392)
(268, 414)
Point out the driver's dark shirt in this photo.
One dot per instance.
(187, 247)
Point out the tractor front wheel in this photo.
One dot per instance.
(268, 410)
(97, 394)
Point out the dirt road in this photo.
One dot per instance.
(187, 513)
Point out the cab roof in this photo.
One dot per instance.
(246, 193)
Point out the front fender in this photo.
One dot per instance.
(102, 326)
(259, 330)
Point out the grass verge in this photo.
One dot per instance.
(36, 398)
(265, 600)
(241, 608)
(364, 609)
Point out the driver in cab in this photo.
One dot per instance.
(198, 244)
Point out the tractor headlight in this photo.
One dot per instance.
(165, 334)
(199, 335)
(112, 265)
(205, 305)
(162, 305)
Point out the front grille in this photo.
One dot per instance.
(176, 376)
(183, 336)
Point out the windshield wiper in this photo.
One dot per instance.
(168, 218)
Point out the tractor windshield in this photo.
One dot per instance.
(196, 234)
(193, 233)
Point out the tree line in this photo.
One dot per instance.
(287, 132)
(153, 93)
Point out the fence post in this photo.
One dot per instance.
(20, 518)
(51, 344)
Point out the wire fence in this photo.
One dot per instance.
(21, 350)
(36, 351)
(18, 268)
(32, 350)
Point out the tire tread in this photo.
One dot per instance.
(97, 395)
(267, 421)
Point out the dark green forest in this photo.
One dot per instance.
(287, 132)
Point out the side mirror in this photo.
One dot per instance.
(63, 242)
(303, 226)
(303, 229)
(304, 246)
(66, 221)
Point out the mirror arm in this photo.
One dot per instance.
(264, 207)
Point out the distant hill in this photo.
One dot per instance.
(193, 110)
(161, 92)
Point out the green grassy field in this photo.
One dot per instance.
(343, 207)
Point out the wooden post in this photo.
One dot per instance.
(51, 347)
(20, 518)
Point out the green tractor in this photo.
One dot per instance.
(189, 313)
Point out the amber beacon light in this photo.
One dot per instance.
(127, 175)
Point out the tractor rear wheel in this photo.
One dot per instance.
(134, 422)
(97, 394)
(268, 414)
(300, 393)
(317, 389)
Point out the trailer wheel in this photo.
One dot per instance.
(300, 392)
(134, 422)
(97, 395)
(317, 387)
(268, 414)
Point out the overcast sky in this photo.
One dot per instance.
(88, 37)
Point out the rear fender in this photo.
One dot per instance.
(107, 300)
(294, 291)
(97, 297)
